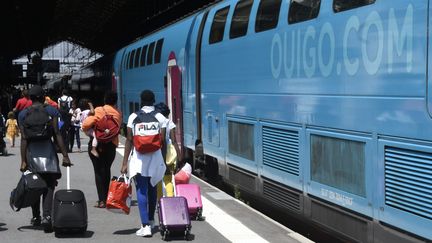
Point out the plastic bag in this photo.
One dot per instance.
(119, 195)
(184, 175)
(171, 156)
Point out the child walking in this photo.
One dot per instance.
(12, 129)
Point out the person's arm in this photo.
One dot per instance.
(174, 142)
(92, 110)
(127, 151)
(23, 147)
(59, 140)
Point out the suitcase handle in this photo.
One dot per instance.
(68, 177)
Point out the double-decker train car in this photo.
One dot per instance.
(321, 108)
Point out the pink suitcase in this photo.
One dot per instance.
(174, 217)
(192, 193)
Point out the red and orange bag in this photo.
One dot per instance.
(119, 195)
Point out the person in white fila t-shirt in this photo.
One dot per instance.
(146, 131)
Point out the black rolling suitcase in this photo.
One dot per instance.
(69, 210)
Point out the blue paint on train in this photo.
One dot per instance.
(334, 108)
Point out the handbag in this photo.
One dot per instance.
(28, 191)
(42, 157)
(119, 195)
(171, 156)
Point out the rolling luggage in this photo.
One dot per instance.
(69, 210)
(174, 216)
(192, 193)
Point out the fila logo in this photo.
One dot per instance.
(148, 126)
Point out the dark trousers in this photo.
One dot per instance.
(74, 133)
(47, 197)
(102, 167)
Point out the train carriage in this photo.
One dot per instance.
(319, 108)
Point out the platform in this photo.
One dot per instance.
(226, 219)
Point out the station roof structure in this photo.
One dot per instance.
(102, 26)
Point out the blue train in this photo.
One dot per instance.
(320, 108)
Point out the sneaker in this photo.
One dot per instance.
(36, 221)
(144, 231)
(47, 224)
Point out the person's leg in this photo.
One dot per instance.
(71, 136)
(36, 218)
(48, 196)
(169, 187)
(141, 184)
(107, 156)
(78, 138)
(93, 150)
(152, 200)
(97, 167)
(48, 201)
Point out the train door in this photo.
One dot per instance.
(119, 82)
(174, 97)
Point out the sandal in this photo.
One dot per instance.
(102, 204)
(97, 204)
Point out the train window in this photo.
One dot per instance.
(218, 26)
(267, 15)
(302, 10)
(158, 51)
(137, 56)
(126, 62)
(150, 53)
(131, 59)
(137, 107)
(343, 5)
(123, 60)
(240, 19)
(339, 163)
(241, 140)
(143, 55)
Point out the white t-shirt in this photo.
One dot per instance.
(169, 126)
(65, 98)
(76, 117)
(149, 164)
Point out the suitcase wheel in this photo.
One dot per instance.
(187, 235)
(165, 233)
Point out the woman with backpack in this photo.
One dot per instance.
(105, 116)
(146, 164)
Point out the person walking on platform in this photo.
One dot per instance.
(146, 166)
(38, 124)
(12, 129)
(64, 105)
(74, 131)
(106, 150)
(170, 139)
(22, 103)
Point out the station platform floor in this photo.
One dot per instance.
(226, 219)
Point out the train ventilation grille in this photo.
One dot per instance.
(408, 181)
(281, 196)
(281, 150)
